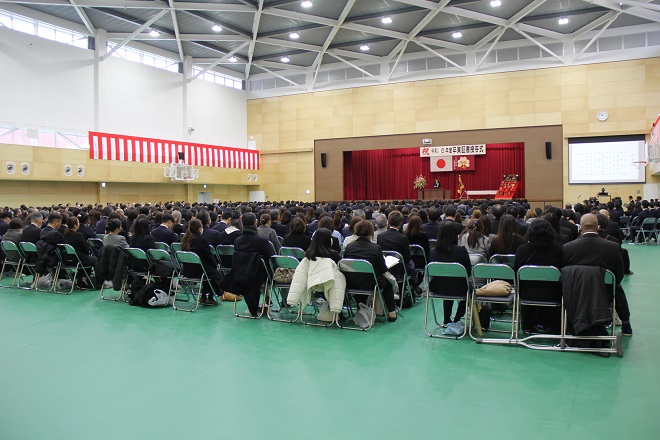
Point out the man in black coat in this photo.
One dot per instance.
(5, 216)
(211, 235)
(163, 232)
(432, 227)
(48, 240)
(279, 228)
(225, 221)
(592, 250)
(32, 232)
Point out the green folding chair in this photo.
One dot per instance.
(446, 270)
(29, 252)
(190, 286)
(292, 252)
(280, 311)
(12, 264)
(349, 266)
(70, 265)
(491, 272)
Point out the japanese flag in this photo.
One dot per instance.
(441, 163)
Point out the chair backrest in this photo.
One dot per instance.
(494, 272)
(350, 266)
(610, 279)
(225, 249)
(163, 246)
(649, 221)
(432, 243)
(280, 239)
(418, 256)
(292, 252)
(508, 259)
(624, 221)
(283, 261)
(9, 246)
(27, 247)
(136, 259)
(188, 258)
(175, 247)
(476, 258)
(399, 268)
(67, 254)
(159, 255)
(450, 270)
(95, 243)
(539, 273)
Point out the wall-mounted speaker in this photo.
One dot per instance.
(324, 160)
(548, 150)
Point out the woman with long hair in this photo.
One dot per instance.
(327, 223)
(447, 250)
(74, 238)
(141, 237)
(194, 241)
(416, 235)
(364, 248)
(542, 249)
(507, 239)
(473, 239)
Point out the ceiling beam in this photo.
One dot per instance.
(220, 60)
(182, 37)
(83, 16)
(126, 40)
(636, 11)
(255, 30)
(175, 24)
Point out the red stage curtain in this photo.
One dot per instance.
(389, 174)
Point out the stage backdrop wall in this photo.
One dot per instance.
(542, 176)
(389, 174)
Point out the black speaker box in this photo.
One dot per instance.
(548, 150)
(324, 160)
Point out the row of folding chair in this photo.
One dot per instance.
(498, 271)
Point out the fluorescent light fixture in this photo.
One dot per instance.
(563, 20)
(232, 59)
(364, 47)
(216, 28)
(154, 33)
(285, 59)
(386, 20)
(306, 4)
(456, 34)
(495, 3)
(294, 35)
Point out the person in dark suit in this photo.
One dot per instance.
(436, 184)
(592, 250)
(78, 242)
(431, 228)
(211, 235)
(163, 232)
(297, 237)
(141, 237)
(363, 248)
(85, 229)
(447, 250)
(32, 231)
(394, 240)
(565, 222)
(5, 217)
(603, 224)
(225, 221)
(643, 214)
(193, 241)
(507, 240)
(100, 226)
(279, 228)
(450, 218)
(542, 249)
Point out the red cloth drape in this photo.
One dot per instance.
(389, 174)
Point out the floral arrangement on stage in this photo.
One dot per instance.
(419, 182)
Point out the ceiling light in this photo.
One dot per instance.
(495, 3)
(232, 59)
(364, 47)
(294, 35)
(285, 59)
(216, 28)
(386, 20)
(563, 20)
(456, 34)
(306, 4)
(154, 33)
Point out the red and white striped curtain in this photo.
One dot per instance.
(107, 146)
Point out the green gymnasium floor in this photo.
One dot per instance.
(75, 367)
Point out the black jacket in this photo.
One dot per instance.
(31, 233)
(301, 241)
(163, 234)
(78, 242)
(585, 297)
(110, 265)
(48, 241)
(200, 246)
(144, 242)
(364, 249)
(451, 286)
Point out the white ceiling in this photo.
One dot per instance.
(417, 44)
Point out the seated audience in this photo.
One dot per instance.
(473, 240)
(507, 240)
(112, 236)
(447, 250)
(265, 231)
(298, 237)
(541, 250)
(364, 248)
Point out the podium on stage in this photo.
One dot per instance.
(433, 194)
